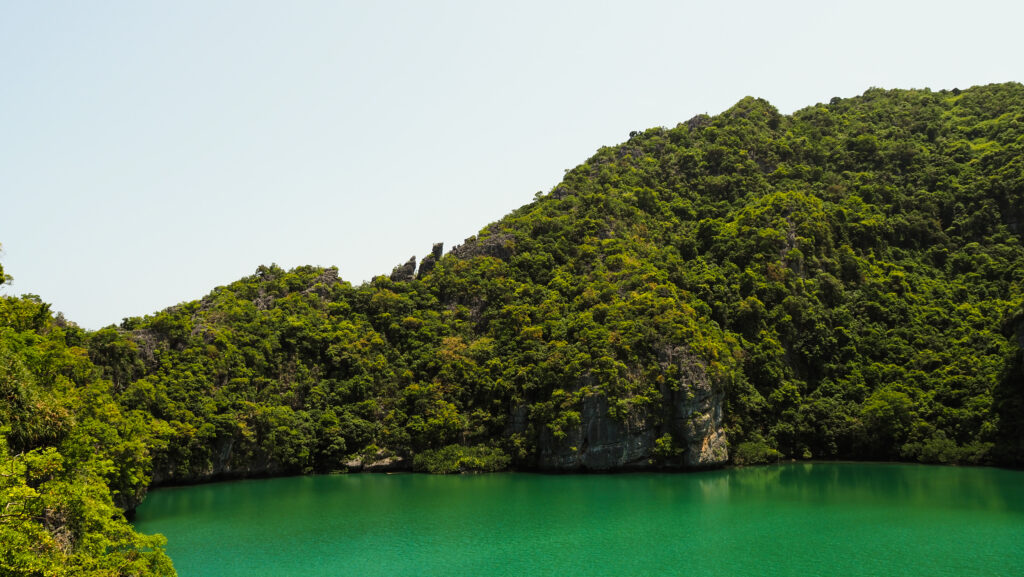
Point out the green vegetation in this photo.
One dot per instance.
(71, 459)
(850, 276)
(461, 459)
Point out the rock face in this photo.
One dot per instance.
(225, 461)
(692, 417)
(405, 272)
(698, 122)
(498, 245)
(698, 419)
(600, 442)
(390, 464)
(428, 262)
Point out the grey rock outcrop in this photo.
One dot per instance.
(691, 415)
(698, 122)
(600, 442)
(405, 272)
(390, 464)
(498, 245)
(225, 461)
(428, 262)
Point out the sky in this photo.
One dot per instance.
(151, 151)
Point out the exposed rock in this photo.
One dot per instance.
(389, 464)
(698, 122)
(405, 272)
(224, 463)
(428, 262)
(499, 245)
(697, 419)
(321, 284)
(602, 442)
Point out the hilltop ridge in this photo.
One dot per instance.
(839, 283)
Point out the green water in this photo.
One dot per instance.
(799, 519)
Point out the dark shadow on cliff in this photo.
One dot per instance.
(1008, 405)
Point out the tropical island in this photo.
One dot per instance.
(841, 283)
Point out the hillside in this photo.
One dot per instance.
(841, 283)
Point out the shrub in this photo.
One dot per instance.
(460, 459)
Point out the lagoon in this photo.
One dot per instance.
(791, 519)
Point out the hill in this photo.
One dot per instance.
(840, 283)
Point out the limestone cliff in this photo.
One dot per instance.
(691, 417)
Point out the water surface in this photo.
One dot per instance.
(796, 519)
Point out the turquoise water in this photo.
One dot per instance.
(795, 519)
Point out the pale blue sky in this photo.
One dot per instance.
(151, 151)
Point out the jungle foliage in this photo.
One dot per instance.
(71, 458)
(850, 275)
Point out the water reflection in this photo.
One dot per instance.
(854, 518)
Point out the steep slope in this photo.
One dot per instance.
(844, 282)
(826, 284)
(70, 458)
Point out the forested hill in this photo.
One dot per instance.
(841, 283)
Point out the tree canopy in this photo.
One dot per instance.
(848, 276)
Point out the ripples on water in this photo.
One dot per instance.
(795, 519)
